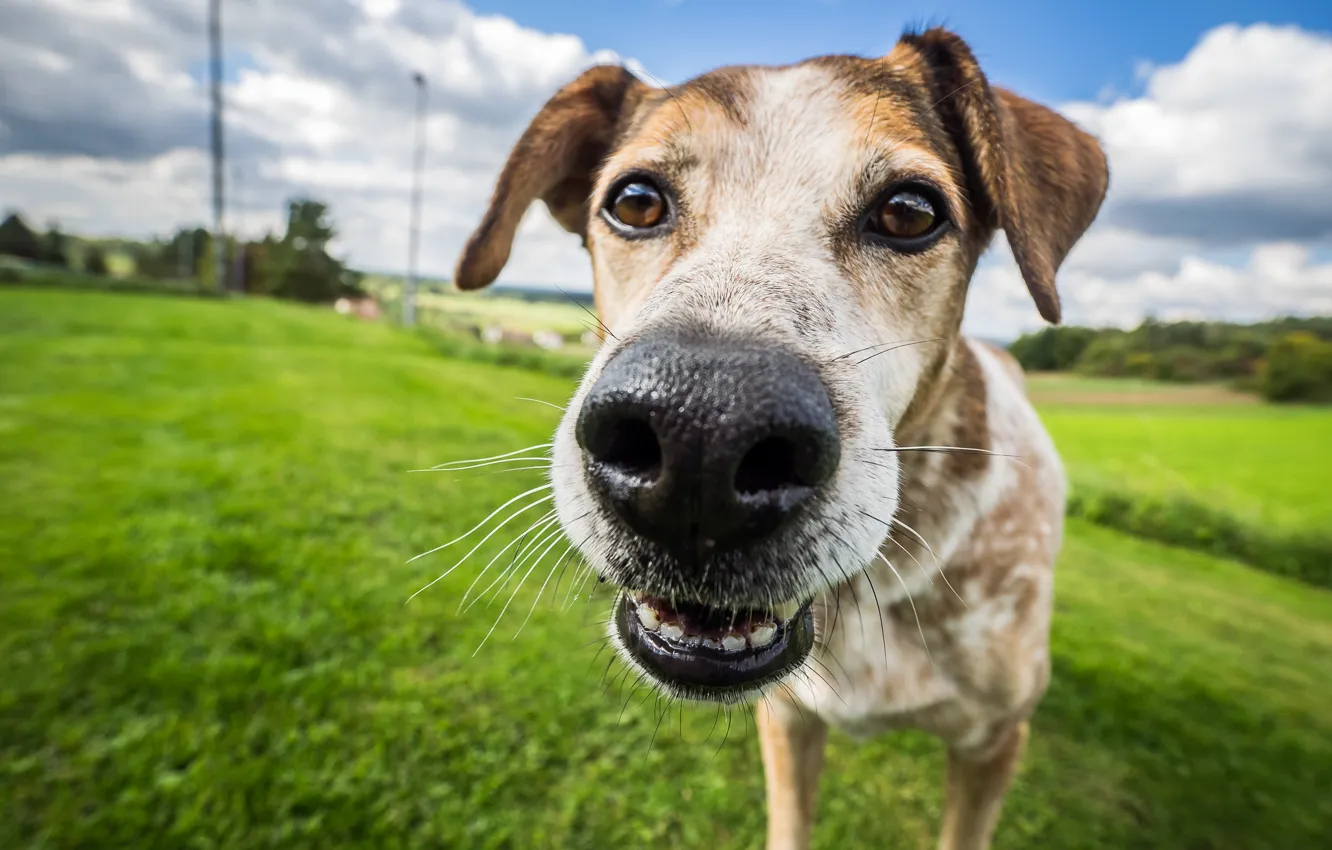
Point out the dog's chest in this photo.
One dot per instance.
(961, 657)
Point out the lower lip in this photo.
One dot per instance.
(710, 673)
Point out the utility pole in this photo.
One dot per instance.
(215, 75)
(414, 244)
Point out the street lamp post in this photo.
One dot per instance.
(215, 86)
(414, 245)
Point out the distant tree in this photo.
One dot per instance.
(1298, 367)
(185, 251)
(94, 261)
(298, 266)
(55, 247)
(308, 225)
(1052, 349)
(19, 240)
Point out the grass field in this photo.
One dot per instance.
(204, 642)
(1266, 464)
(482, 309)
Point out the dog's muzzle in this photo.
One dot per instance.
(705, 454)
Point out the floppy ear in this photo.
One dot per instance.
(555, 160)
(1031, 171)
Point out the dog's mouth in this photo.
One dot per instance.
(703, 652)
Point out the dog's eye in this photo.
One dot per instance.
(638, 205)
(905, 215)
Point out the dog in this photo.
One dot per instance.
(810, 490)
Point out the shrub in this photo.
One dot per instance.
(1298, 367)
(17, 239)
(94, 262)
(1305, 556)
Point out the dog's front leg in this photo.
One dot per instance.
(977, 784)
(792, 744)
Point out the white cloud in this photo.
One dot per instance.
(1225, 154)
(324, 109)
(1278, 279)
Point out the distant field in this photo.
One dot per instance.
(1061, 388)
(481, 309)
(1267, 464)
(204, 641)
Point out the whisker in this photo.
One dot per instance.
(538, 401)
(726, 734)
(883, 631)
(495, 457)
(655, 730)
(496, 472)
(542, 458)
(473, 550)
(521, 558)
(914, 612)
(950, 450)
(523, 624)
(594, 316)
(539, 525)
(488, 519)
(894, 343)
(870, 357)
(519, 587)
(937, 564)
(907, 552)
(590, 572)
(549, 576)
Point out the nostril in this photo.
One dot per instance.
(633, 448)
(769, 465)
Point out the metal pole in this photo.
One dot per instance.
(414, 245)
(215, 74)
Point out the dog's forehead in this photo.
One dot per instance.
(817, 124)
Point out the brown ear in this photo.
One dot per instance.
(555, 160)
(1031, 171)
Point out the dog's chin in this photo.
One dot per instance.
(693, 650)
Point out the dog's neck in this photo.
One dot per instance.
(940, 391)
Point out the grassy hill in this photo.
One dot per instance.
(205, 641)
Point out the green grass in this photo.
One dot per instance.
(1266, 464)
(204, 642)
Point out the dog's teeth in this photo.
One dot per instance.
(733, 643)
(785, 611)
(712, 643)
(673, 631)
(691, 640)
(762, 635)
(648, 617)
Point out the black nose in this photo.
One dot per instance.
(706, 446)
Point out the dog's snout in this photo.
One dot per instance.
(703, 446)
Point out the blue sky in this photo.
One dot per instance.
(1051, 50)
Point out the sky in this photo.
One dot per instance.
(1216, 116)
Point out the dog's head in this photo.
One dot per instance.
(756, 234)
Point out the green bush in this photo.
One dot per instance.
(1052, 349)
(1298, 367)
(1305, 556)
(94, 262)
(1187, 352)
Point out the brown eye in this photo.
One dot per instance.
(638, 205)
(905, 215)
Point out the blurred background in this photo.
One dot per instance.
(227, 335)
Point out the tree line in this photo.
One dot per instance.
(1286, 359)
(296, 264)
